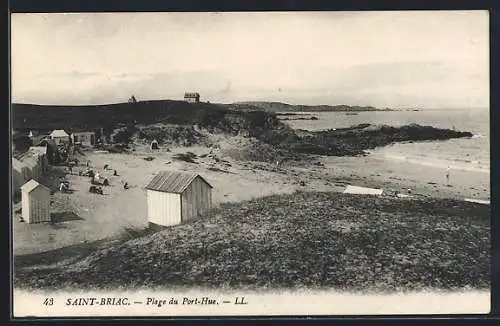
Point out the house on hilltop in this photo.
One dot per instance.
(192, 97)
(174, 197)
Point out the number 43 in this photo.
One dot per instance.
(48, 301)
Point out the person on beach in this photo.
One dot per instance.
(447, 175)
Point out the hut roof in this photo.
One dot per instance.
(83, 132)
(30, 158)
(173, 181)
(59, 133)
(39, 149)
(32, 185)
(17, 164)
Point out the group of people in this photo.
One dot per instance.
(64, 184)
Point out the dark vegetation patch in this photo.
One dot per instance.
(315, 240)
(186, 157)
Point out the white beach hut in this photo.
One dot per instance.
(35, 199)
(174, 197)
(85, 138)
(59, 136)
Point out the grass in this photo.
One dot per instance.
(302, 240)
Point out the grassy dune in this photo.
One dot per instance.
(306, 239)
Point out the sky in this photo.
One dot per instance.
(432, 59)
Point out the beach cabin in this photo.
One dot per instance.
(192, 97)
(51, 149)
(60, 137)
(34, 161)
(174, 197)
(41, 152)
(35, 199)
(20, 174)
(85, 138)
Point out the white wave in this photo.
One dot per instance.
(444, 164)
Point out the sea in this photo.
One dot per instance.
(466, 154)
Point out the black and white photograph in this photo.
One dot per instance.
(242, 163)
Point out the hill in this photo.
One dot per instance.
(305, 239)
(110, 116)
(284, 107)
(216, 118)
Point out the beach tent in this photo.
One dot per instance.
(362, 190)
(35, 199)
(174, 197)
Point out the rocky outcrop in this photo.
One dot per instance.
(357, 139)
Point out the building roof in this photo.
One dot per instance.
(18, 165)
(39, 149)
(32, 185)
(173, 181)
(83, 133)
(191, 94)
(31, 157)
(362, 190)
(59, 133)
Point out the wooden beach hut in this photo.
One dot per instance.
(174, 197)
(60, 137)
(41, 152)
(20, 174)
(85, 138)
(33, 160)
(35, 199)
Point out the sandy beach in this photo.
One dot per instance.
(85, 217)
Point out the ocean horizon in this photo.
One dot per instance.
(465, 154)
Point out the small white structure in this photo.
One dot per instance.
(174, 197)
(41, 152)
(35, 199)
(362, 191)
(477, 201)
(154, 144)
(86, 138)
(59, 136)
